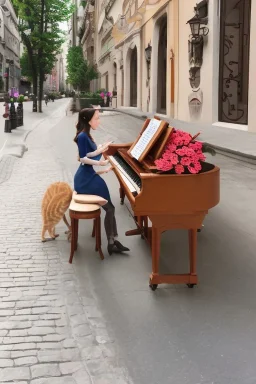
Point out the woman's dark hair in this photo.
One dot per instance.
(84, 118)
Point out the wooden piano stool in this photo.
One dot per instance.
(85, 212)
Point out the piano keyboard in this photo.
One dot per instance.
(131, 179)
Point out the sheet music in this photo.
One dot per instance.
(146, 136)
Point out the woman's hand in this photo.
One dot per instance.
(103, 162)
(105, 171)
(104, 147)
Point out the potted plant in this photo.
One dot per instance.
(106, 97)
(20, 100)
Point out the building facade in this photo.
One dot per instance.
(187, 60)
(9, 47)
(56, 80)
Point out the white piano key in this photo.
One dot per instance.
(126, 178)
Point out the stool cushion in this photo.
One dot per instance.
(89, 199)
(83, 207)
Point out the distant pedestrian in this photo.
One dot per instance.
(46, 99)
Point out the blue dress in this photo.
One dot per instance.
(86, 180)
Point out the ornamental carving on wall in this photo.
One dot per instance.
(131, 18)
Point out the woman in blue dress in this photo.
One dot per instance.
(87, 181)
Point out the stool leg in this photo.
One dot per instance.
(98, 237)
(76, 233)
(72, 240)
(93, 230)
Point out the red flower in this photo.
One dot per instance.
(179, 169)
(192, 169)
(181, 154)
(185, 161)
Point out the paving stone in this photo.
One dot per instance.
(91, 353)
(69, 343)
(71, 367)
(40, 331)
(55, 380)
(54, 337)
(49, 345)
(17, 354)
(71, 354)
(82, 330)
(5, 354)
(79, 319)
(41, 370)
(101, 366)
(6, 363)
(82, 377)
(15, 325)
(11, 374)
(29, 360)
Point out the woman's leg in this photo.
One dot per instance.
(111, 230)
(110, 222)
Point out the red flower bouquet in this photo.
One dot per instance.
(182, 154)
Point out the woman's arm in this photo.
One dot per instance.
(101, 148)
(86, 160)
(105, 171)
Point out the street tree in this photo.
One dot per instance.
(80, 72)
(40, 29)
(26, 69)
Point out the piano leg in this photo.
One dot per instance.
(155, 278)
(142, 227)
(192, 237)
(122, 195)
(145, 228)
(156, 242)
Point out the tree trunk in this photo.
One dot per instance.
(35, 92)
(41, 90)
(41, 57)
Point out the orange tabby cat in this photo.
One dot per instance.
(55, 203)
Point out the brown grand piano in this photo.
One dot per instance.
(165, 202)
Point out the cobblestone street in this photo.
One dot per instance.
(51, 330)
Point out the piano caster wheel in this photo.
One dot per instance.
(153, 286)
(122, 202)
(191, 285)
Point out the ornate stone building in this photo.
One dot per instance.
(185, 59)
(9, 46)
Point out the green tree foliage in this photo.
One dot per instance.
(80, 73)
(39, 25)
(26, 69)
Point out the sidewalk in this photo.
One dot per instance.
(14, 143)
(231, 142)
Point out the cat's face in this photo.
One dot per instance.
(95, 121)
